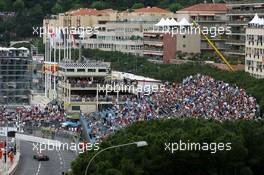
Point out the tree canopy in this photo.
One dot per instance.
(138, 5)
(245, 157)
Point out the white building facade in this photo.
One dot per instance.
(254, 59)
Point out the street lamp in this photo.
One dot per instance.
(138, 144)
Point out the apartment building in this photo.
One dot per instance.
(156, 46)
(254, 47)
(118, 31)
(239, 15)
(126, 33)
(165, 46)
(84, 17)
(119, 36)
(80, 18)
(208, 15)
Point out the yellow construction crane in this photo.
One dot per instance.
(216, 49)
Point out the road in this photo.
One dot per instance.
(60, 160)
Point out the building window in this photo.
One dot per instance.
(76, 108)
(70, 70)
(91, 70)
(80, 70)
(102, 70)
(184, 45)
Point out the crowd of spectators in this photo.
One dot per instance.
(91, 82)
(197, 96)
(101, 98)
(81, 82)
(37, 115)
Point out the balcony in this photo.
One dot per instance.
(155, 43)
(245, 12)
(235, 52)
(210, 48)
(243, 2)
(153, 52)
(217, 20)
(235, 42)
(238, 23)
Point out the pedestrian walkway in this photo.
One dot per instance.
(9, 167)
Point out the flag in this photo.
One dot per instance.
(51, 37)
(73, 40)
(62, 36)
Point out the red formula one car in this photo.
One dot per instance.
(41, 157)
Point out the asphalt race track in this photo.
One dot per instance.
(59, 161)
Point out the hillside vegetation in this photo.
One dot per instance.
(245, 158)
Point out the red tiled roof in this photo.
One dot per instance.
(87, 11)
(151, 10)
(107, 10)
(82, 11)
(206, 7)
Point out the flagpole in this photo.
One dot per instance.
(64, 43)
(50, 67)
(45, 59)
(59, 49)
(67, 45)
(54, 61)
(70, 47)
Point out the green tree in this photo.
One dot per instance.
(18, 5)
(57, 8)
(246, 171)
(127, 166)
(3, 5)
(37, 11)
(112, 172)
(77, 6)
(245, 157)
(138, 5)
(175, 6)
(99, 5)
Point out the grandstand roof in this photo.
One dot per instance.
(84, 65)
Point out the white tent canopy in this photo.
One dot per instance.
(262, 21)
(12, 48)
(3, 48)
(167, 21)
(23, 48)
(184, 22)
(162, 22)
(257, 20)
(173, 22)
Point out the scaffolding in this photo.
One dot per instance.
(15, 76)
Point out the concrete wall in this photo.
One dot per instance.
(189, 43)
